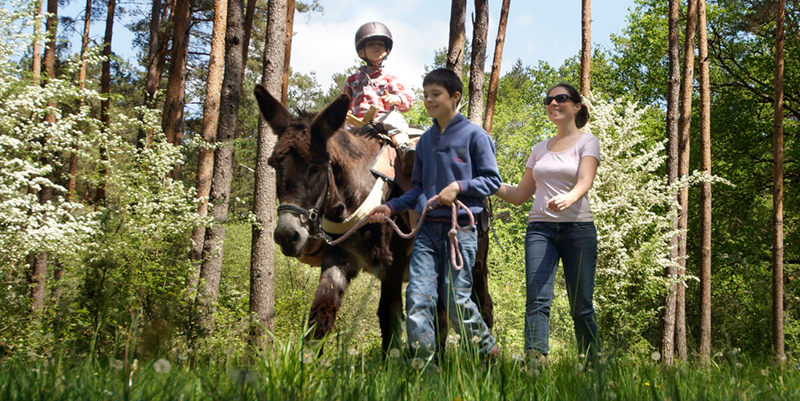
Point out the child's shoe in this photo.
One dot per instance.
(407, 152)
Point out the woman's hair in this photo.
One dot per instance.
(583, 114)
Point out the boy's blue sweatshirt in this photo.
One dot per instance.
(463, 153)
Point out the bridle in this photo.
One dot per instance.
(313, 215)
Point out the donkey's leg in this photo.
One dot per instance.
(390, 308)
(336, 275)
(442, 329)
(480, 280)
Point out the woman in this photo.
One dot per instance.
(560, 172)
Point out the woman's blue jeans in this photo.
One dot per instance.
(432, 276)
(576, 245)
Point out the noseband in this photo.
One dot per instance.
(313, 215)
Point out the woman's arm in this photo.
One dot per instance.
(519, 194)
(586, 174)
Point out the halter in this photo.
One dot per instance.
(313, 214)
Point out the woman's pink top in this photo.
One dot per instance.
(556, 173)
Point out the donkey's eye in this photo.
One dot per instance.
(313, 172)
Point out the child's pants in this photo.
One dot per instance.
(431, 277)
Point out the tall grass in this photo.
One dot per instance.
(290, 371)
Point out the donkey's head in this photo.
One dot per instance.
(302, 164)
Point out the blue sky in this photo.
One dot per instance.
(324, 42)
(537, 30)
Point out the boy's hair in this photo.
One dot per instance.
(446, 78)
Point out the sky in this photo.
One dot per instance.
(537, 30)
(324, 42)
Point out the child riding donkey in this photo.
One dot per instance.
(372, 86)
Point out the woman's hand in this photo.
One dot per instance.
(560, 202)
(379, 213)
(449, 194)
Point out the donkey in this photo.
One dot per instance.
(323, 174)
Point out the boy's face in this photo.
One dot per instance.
(438, 102)
(374, 51)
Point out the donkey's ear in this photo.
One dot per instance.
(329, 120)
(275, 114)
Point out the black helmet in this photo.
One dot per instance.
(373, 31)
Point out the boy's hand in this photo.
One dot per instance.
(448, 194)
(391, 100)
(377, 214)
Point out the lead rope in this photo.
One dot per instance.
(455, 257)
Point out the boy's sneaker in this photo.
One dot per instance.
(407, 152)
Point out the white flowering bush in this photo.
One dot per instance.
(27, 140)
(631, 205)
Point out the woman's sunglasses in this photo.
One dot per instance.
(558, 98)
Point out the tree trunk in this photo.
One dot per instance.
(777, 194)
(262, 260)
(87, 20)
(476, 75)
(586, 45)
(704, 346)
(287, 50)
(39, 265)
(494, 79)
(105, 89)
(219, 198)
(156, 59)
(205, 159)
(673, 99)
(174, 99)
(73, 159)
(455, 48)
(685, 123)
(37, 48)
(248, 28)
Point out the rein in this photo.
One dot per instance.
(455, 257)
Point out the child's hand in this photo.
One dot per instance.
(448, 194)
(391, 100)
(377, 214)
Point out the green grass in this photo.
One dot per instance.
(290, 372)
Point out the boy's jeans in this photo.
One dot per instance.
(432, 276)
(576, 245)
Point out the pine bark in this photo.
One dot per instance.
(38, 275)
(37, 47)
(455, 48)
(211, 269)
(685, 124)
(673, 99)
(205, 158)
(287, 52)
(476, 75)
(704, 343)
(250, 12)
(262, 267)
(175, 98)
(73, 158)
(777, 193)
(494, 78)
(105, 89)
(156, 59)
(586, 46)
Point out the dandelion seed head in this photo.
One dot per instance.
(476, 339)
(415, 345)
(308, 357)
(162, 366)
(656, 356)
(417, 363)
(394, 353)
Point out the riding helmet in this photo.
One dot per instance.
(373, 31)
